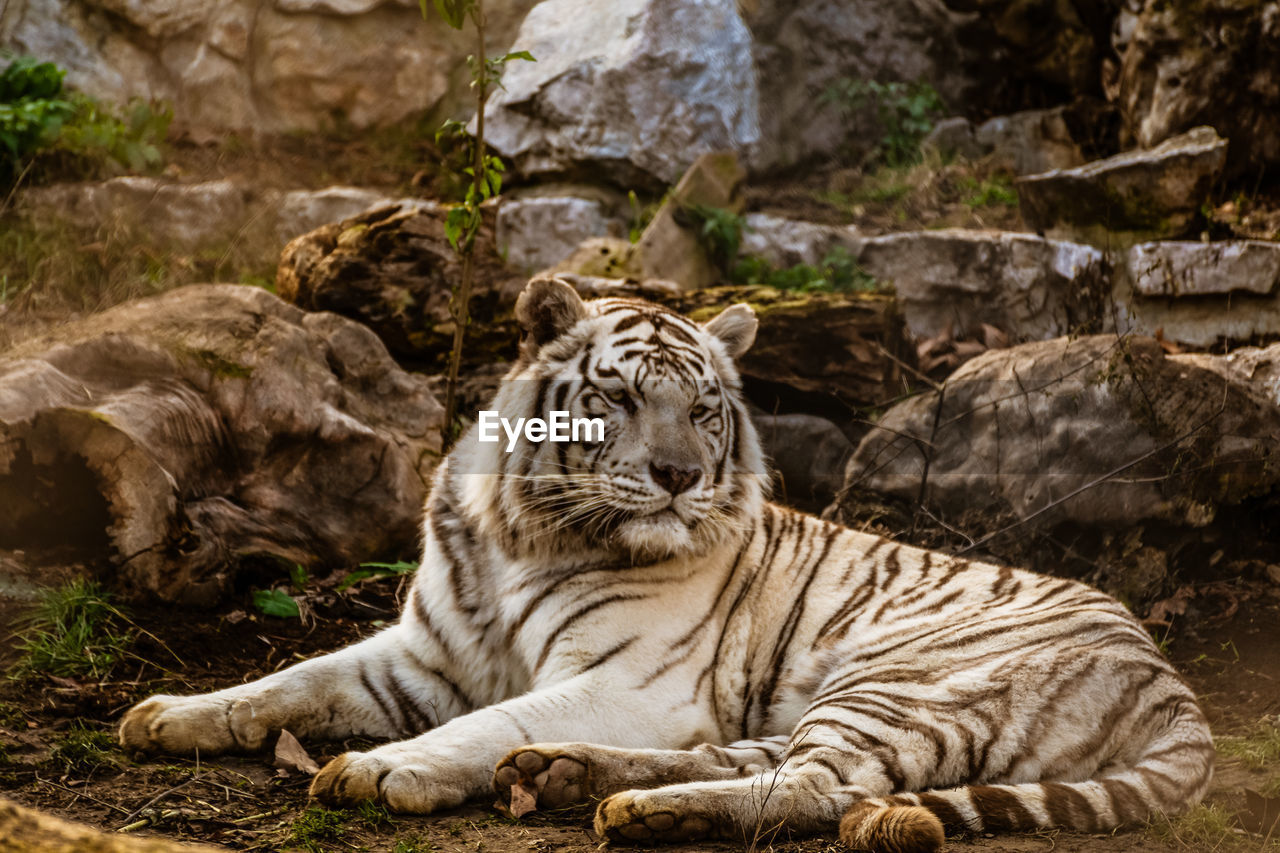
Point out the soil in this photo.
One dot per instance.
(243, 802)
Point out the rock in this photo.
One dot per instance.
(1202, 295)
(1022, 428)
(602, 257)
(1256, 370)
(1204, 269)
(801, 47)
(537, 231)
(807, 454)
(671, 247)
(300, 211)
(1026, 286)
(1025, 143)
(150, 210)
(256, 67)
(177, 434)
(393, 269)
(1206, 63)
(632, 90)
(956, 280)
(1129, 198)
(1030, 142)
(953, 137)
(788, 242)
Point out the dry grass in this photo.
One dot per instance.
(50, 271)
(1208, 828)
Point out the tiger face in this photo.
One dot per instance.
(677, 467)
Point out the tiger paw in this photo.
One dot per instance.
(402, 783)
(642, 817)
(556, 777)
(188, 724)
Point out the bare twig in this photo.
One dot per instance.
(928, 458)
(160, 796)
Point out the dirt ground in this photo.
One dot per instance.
(58, 754)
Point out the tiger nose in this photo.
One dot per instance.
(674, 480)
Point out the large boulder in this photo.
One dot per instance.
(631, 89)
(173, 435)
(1099, 431)
(254, 66)
(1130, 198)
(1214, 63)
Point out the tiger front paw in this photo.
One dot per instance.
(402, 783)
(187, 724)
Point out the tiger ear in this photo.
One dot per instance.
(736, 327)
(546, 309)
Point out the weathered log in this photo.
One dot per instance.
(392, 269)
(24, 830)
(178, 433)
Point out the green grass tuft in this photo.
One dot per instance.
(1207, 827)
(1257, 750)
(318, 826)
(75, 630)
(84, 748)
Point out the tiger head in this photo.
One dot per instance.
(677, 467)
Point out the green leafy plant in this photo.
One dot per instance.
(83, 748)
(838, 272)
(74, 630)
(32, 110)
(719, 231)
(276, 602)
(994, 191)
(904, 111)
(376, 570)
(40, 119)
(463, 220)
(318, 827)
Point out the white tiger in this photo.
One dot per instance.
(630, 621)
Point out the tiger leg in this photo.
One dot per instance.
(815, 783)
(380, 687)
(564, 774)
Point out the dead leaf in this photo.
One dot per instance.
(1165, 609)
(292, 758)
(524, 799)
